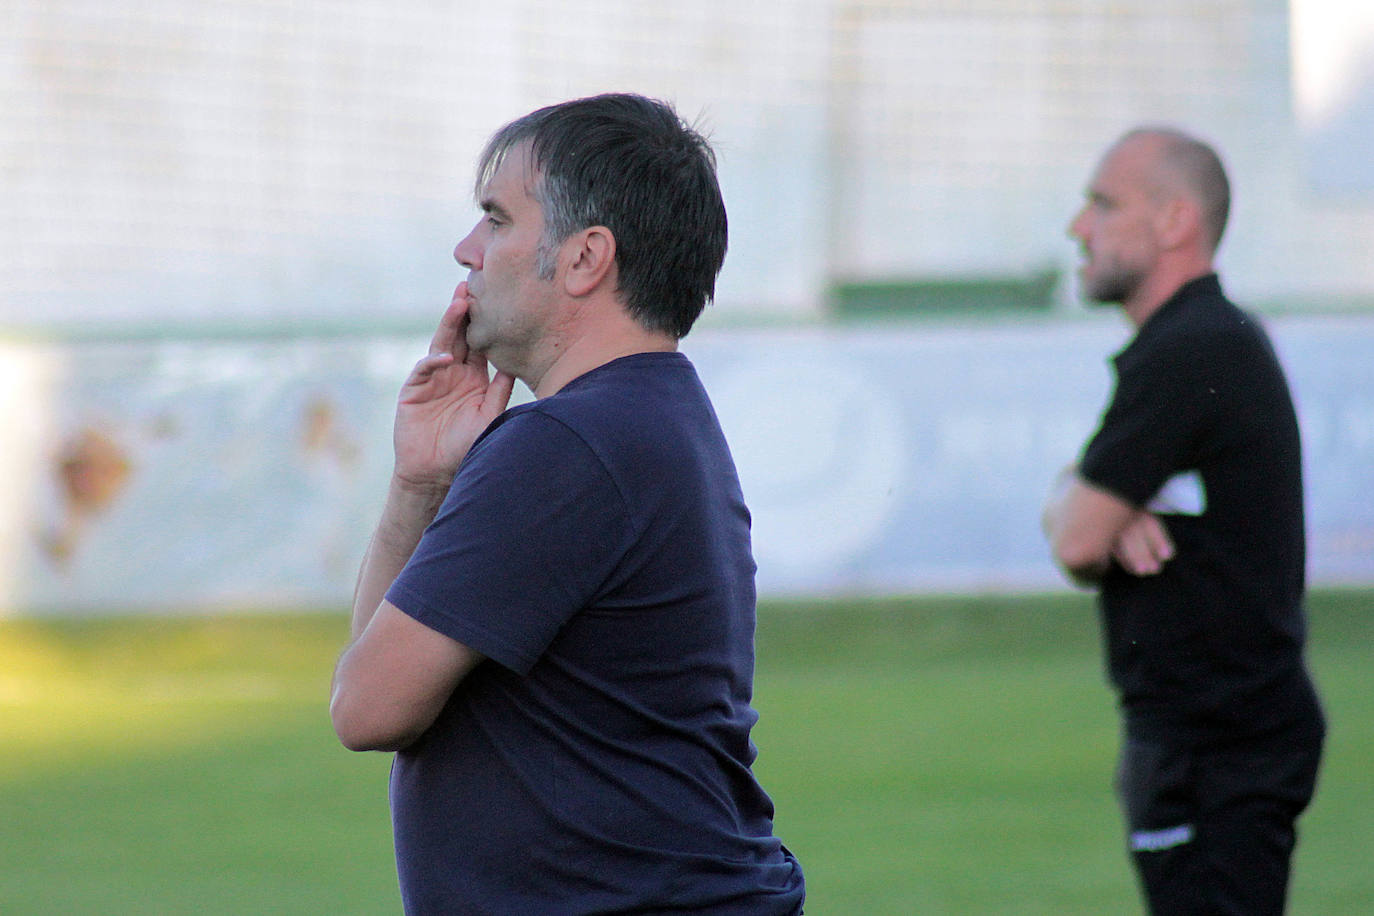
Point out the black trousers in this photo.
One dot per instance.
(1212, 827)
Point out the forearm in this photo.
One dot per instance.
(1083, 570)
(1055, 516)
(1081, 523)
(408, 511)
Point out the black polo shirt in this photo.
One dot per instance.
(1212, 645)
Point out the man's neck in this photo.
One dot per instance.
(578, 360)
(1159, 288)
(592, 338)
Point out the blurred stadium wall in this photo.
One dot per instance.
(226, 226)
(170, 474)
(234, 161)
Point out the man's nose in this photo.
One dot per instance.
(468, 253)
(1078, 228)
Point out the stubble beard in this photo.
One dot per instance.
(1113, 286)
(504, 339)
(477, 337)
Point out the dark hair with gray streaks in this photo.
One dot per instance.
(630, 164)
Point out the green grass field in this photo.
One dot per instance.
(927, 756)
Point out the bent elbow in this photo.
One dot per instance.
(346, 726)
(1085, 562)
(359, 731)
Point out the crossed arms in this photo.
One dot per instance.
(1089, 527)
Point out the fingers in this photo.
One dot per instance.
(422, 373)
(449, 337)
(499, 391)
(1144, 546)
(1135, 556)
(448, 348)
(1161, 545)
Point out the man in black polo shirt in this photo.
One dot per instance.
(1186, 513)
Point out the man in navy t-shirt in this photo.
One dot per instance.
(1185, 512)
(554, 622)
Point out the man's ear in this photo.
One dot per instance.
(1180, 222)
(591, 259)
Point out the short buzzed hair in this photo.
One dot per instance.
(1199, 168)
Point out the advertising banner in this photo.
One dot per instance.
(177, 475)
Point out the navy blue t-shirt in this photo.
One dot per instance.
(595, 547)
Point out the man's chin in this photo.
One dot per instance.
(1105, 294)
(1112, 287)
(1089, 294)
(477, 337)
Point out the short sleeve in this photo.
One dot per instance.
(531, 528)
(1165, 398)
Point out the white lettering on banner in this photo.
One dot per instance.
(1356, 426)
(985, 437)
(820, 460)
(1336, 425)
